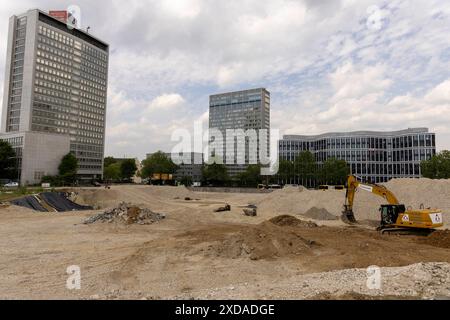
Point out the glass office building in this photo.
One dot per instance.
(248, 110)
(374, 156)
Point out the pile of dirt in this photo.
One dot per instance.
(126, 213)
(411, 192)
(98, 198)
(286, 220)
(439, 238)
(320, 214)
(256, 242)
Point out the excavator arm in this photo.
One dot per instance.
(352, 185)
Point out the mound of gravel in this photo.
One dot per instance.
(126, 213)
(264, 241)
(286, 220)
(320, 214)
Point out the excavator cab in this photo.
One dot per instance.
(390, 213)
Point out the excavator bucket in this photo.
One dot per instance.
(348, 216)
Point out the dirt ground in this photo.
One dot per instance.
(197, 253)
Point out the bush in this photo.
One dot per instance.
(55, 181)
(22, 190)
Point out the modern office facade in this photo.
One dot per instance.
(56, 84)
(190, 164)
(248, 110)
(373, 156)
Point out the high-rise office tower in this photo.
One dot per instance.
(248, 110)
(55, 89)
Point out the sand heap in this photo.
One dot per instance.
(126, 213)
(278, 237)
(411, 192)
(320, 214)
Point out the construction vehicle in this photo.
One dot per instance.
(394, 216)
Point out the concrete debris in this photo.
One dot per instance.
(286, 220)
(250, 212)
(127, 213)
(227, 207)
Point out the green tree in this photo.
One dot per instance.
(112, 172)
(8, 163)
(305, 168)
(438, 167)
(127, 169)
(285, 171)
(68, 168)
(251, 177)
(215, 174)
(334, 172)
(158, 163)
(109, 161)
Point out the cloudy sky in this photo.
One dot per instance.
(330, 65)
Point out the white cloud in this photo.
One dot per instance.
(166, 102)
(349, 82)
(325, 69)
(440, 94)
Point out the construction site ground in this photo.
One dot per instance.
(196, 253)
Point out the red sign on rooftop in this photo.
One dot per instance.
(59, 15)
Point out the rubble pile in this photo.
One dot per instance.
(227, 207)
(127, 213)
(250, 212)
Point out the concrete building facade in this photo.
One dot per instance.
(56, 83)
(37, 154)
(374, 156)
(248, 110)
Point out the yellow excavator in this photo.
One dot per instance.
(394, 216)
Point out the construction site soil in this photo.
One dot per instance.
(196, 253)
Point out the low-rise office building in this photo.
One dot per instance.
(37, 154)
(372, 155)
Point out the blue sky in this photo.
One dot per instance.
(329, 65)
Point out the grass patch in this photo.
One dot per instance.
(11, 194)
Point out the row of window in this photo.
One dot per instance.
(371, 156)
(47, 68)
(86, 147)
(55, 39)
(84, 167)
(17, 77)
(52, 86)
(411, 141)
(400, 169)
(53, 56)
(14, 142)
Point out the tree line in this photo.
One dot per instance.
(303, 170)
